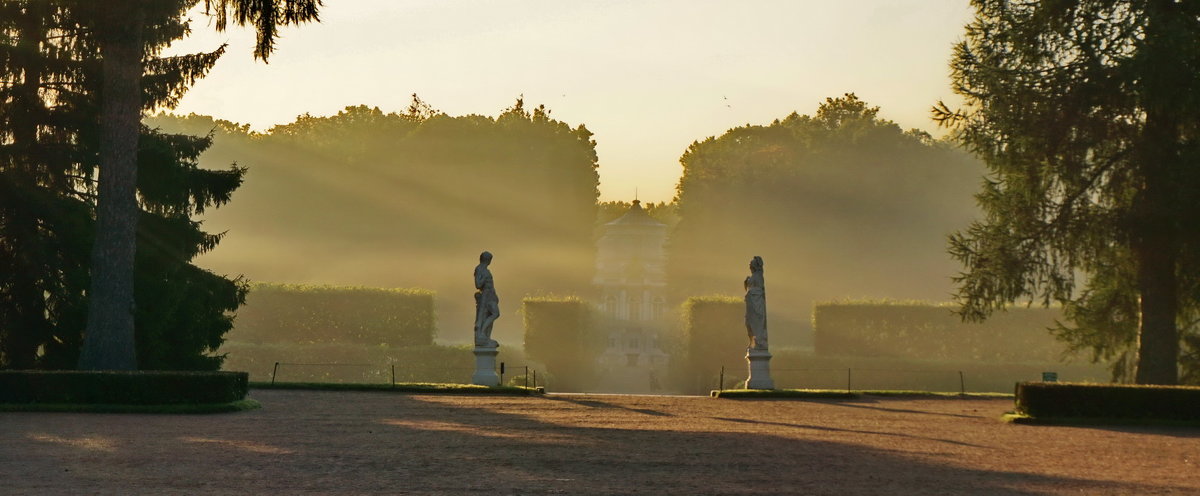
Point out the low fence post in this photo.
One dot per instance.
(721, 380)
(535, 378)
(274, 372)
(848, 383)
(962, 384)
(393, 375)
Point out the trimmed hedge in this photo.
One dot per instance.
(147, 387)
(1115, 401)
(931, 331)
(560, 332)
(285, 313)
(174, 409)
(715, 335)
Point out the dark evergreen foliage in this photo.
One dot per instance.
(49, 87)
(1086, 114)
(127, 33)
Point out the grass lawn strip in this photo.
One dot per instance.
(841, 394)
(407, 387)
(232, 406)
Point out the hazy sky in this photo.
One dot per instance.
(648, 77)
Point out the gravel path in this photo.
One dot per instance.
(309, 442)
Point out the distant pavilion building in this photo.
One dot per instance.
(631, 279)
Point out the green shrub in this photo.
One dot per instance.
(1108, 401)
(280, 313)
(560, 333)
(930, 331)
(145, 387)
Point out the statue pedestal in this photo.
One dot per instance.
(760, 369)
(485, 366)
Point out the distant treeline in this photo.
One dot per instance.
(840, 204)
(410, 199)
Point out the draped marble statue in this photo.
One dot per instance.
(487, 303)
(756, 306)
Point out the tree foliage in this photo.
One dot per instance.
(368, 197)
(127, 33)
(841, 203)
(49, 89)
(1086, 114)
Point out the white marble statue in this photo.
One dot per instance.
(487, 304)
(756, 306)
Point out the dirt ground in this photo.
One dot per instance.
(310, 442)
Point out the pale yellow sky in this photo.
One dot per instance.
(648, 77)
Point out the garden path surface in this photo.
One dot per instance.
(326, 442)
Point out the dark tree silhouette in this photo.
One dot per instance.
(120, 29)
(49, 88)
(1086, 113)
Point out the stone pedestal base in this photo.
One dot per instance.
(485, 366)
(760, 370)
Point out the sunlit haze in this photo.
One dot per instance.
(647, 77)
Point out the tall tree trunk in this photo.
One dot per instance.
(1158, 335)
(1156, 240)
(108, 342)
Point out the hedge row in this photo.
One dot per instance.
(129, 388)
(561, 333)
(281, 313)
(933, 332)
(1108, 401)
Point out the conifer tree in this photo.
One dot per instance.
(123, 29)
(1087, 114)
(49, 84)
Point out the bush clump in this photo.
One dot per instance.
(1114, 401)
(147, 387)
(285, 313)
